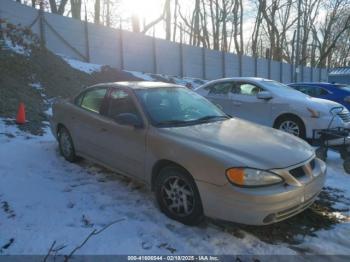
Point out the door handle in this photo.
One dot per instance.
(236, 103)
(102, 129)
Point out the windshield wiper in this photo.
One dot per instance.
(207, 118)
(173, 122)
(199, 120)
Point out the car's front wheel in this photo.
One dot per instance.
(178, 196)
(292, 125)
(66, 145)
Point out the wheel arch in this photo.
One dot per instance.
(288, 115)
(161, 164)
(58, 128)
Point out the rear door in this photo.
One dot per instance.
(246, 105)
(83, 121)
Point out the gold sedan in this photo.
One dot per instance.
(196, 159)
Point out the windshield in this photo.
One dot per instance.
(277, 87)
(177, 106)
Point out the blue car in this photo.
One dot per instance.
(336, 92)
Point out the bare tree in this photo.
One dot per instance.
(76, 8)
(58, 9)
(167, 9)
(97, 14)
(336, 23)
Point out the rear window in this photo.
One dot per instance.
(343, 87)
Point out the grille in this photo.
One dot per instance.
(299, 171)
(345, 117)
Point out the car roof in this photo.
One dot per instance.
(248, 79)
(313, 83)
(136, 85)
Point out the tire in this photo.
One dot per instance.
(346, 165)
(292, 125)
(177, 195)
(321, 153)
(344, 153)
(66, 145)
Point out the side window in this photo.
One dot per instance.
(246, 89)
(120, 102)
(304, 89)
(312, 90)
(78, 99)
(322, 92)
(93, 99)
(220, 89)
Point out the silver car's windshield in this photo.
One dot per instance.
(279, 88)
(177, 106)
(276, 85)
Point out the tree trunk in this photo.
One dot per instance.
(167, 20)
(76, 8)
(97, 11)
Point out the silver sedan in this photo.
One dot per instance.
(274, 104)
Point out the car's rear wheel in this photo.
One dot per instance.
(178, 196)
(292, 125)
(66, 145)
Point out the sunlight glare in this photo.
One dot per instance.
(144, 9)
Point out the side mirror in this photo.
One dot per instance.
(266, 95)
(129, 119)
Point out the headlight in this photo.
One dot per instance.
(250, 177)
(347, 99)
(314, 113)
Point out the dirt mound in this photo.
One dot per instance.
(33, 75)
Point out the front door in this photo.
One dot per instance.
(246, 104)
(124, 146)
(220, 94)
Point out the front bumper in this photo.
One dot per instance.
(322, 123)
(260, 206)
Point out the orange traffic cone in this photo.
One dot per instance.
(21, 114)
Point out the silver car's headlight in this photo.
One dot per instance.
(250, 177)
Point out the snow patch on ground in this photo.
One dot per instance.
(49, 199)
(18, 49)
(36, 86)
(44, 199)
(141, 75)
(88, 68)
(335, 241)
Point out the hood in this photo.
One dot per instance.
(243, 143)
(318, 104)
(324, 104)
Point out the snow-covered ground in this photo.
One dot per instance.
(44, 199)
(88, 68)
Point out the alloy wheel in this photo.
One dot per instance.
(178, 196)
(290, 127)
(66, 145)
